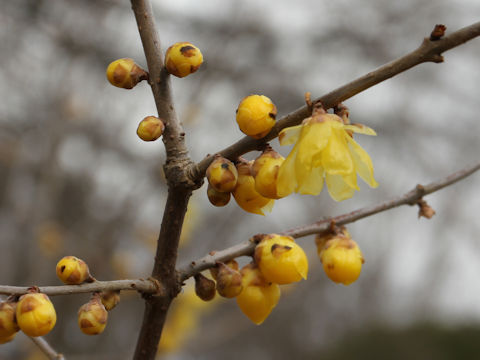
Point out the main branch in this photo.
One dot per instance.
(180, 186)
(428, 51)
(247, 247)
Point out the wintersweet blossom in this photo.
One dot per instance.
(324, 149)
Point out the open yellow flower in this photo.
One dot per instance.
(324, 148)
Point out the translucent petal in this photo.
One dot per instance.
(363, 163)
(336, 157)
(268, 207)
(360, 129)
(289, 135)
(313, 140)
(337, 188)
(313, 184)
(287, 179)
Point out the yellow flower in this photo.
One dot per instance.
(324, 148)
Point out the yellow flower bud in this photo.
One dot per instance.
(8, 325)
(124, 73)
(7, 339)
(256, 115)
(341, 259)
(73, 271)
(150, 128)
(281, 260)
(258, 297)
(36, 315)
(110, 299)
(229, 281)
(182, 59)
(204, 287)
(217, 198)
(92, 316)
(222, 174)
(245, 194)
(265, 171)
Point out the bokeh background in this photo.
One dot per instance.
(76, 180)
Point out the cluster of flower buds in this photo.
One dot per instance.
(278, 260)
(181, 59)
(340, 256)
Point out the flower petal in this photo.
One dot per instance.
(287, 178)
(337, 188)
(360, 129)
(336, 157)
(363, 163)
(289, 135)
(313, 140)
(313, 183)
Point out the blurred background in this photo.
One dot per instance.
(76, 180)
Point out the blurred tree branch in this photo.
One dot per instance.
(46, 348)
(247, 247)
(428, 51)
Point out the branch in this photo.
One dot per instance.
(180, 186)
(428, 51)
(246, 248)
(140, 285)
(46, 348)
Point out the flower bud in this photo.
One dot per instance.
(230, 263)
(222, 174)
(35, 314)
(204, 287)
(256, 115)
(245, 194)
(182, 59)
(110, 299)
(7, 339)
(8, 324)
(229, 281)
(124, 73)
(92, 316)
(150, 128)
(341, 258)
(258, 297)
(281, 260)
(217, 198)
(73, 271)
(265, 172)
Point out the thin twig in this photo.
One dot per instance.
(428, 51)
(246, 248)
(46, 348)
(140, 285)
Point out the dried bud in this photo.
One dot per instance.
(124, 73)
(281, 260)
(204, 287)
(73, 271)
(35, 314)
(256, 116)
(150, 128)
(425, 210)
(265, 172)
(110, 299)
(182, 59)
(92, 316)
(217, 198)
(222, 174)
(8, 324)
(230, 263)
(229, 281)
